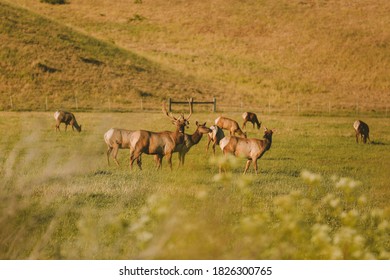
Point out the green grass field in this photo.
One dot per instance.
(60, 199)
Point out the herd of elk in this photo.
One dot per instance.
(165, 143)
(67, 118)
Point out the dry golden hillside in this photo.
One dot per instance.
(284, 53)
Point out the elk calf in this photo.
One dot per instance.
(215, 136)
(251, 148)
(362, 130)
(231, 125)
(117, 138)
(251, 117)
(68, 119)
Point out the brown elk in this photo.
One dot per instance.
(159, 144)
(362, 130)
(117, 138)
(250, 148)
(231, 125)
(250, 117)
(214, 136)
(67, 118)
(190, 140)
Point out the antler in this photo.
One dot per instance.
(189, 102)
(169, 115)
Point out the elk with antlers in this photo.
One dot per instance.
(362, 130)
(250, 117)
(159, 144)
(68, 119)
(229, 124)
(250, 148)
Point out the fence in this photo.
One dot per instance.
(149, 104)
(192, 102)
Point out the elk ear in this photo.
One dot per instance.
(196, 123)
(204, 124)
(265, 129)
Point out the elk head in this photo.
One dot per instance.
(181, 122)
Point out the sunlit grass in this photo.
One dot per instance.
(60, 199)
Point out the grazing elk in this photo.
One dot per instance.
(159, 144)
(67, 118)
(231, 125)
(215, 136)
(250, 117)
(362, 130)
(117, 138)
(250, 148)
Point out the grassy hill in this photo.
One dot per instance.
(45, 65)
(284, 53)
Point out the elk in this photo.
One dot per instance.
(231, 125)
(117, 138)
(250, 117)
(189, 141)
(159, 144)
(362, 130)
(215, 136)
(250, 148)
(67, 118)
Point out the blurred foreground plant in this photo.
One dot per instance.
(320, 221)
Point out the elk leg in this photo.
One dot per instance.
(182, 158)
(169, 159)
(248, 163)
(139, 162)
(156, 160)
(114, 154)
(109, 149)
(255, 165)
(159, 162)
(244, 124)
(133, 157)
(208, 143)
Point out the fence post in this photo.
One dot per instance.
(12, 103)
(192, 104)
(77, 104)
(142, 104)
(46, 104)
(214, 105)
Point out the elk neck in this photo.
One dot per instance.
(268, 141)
